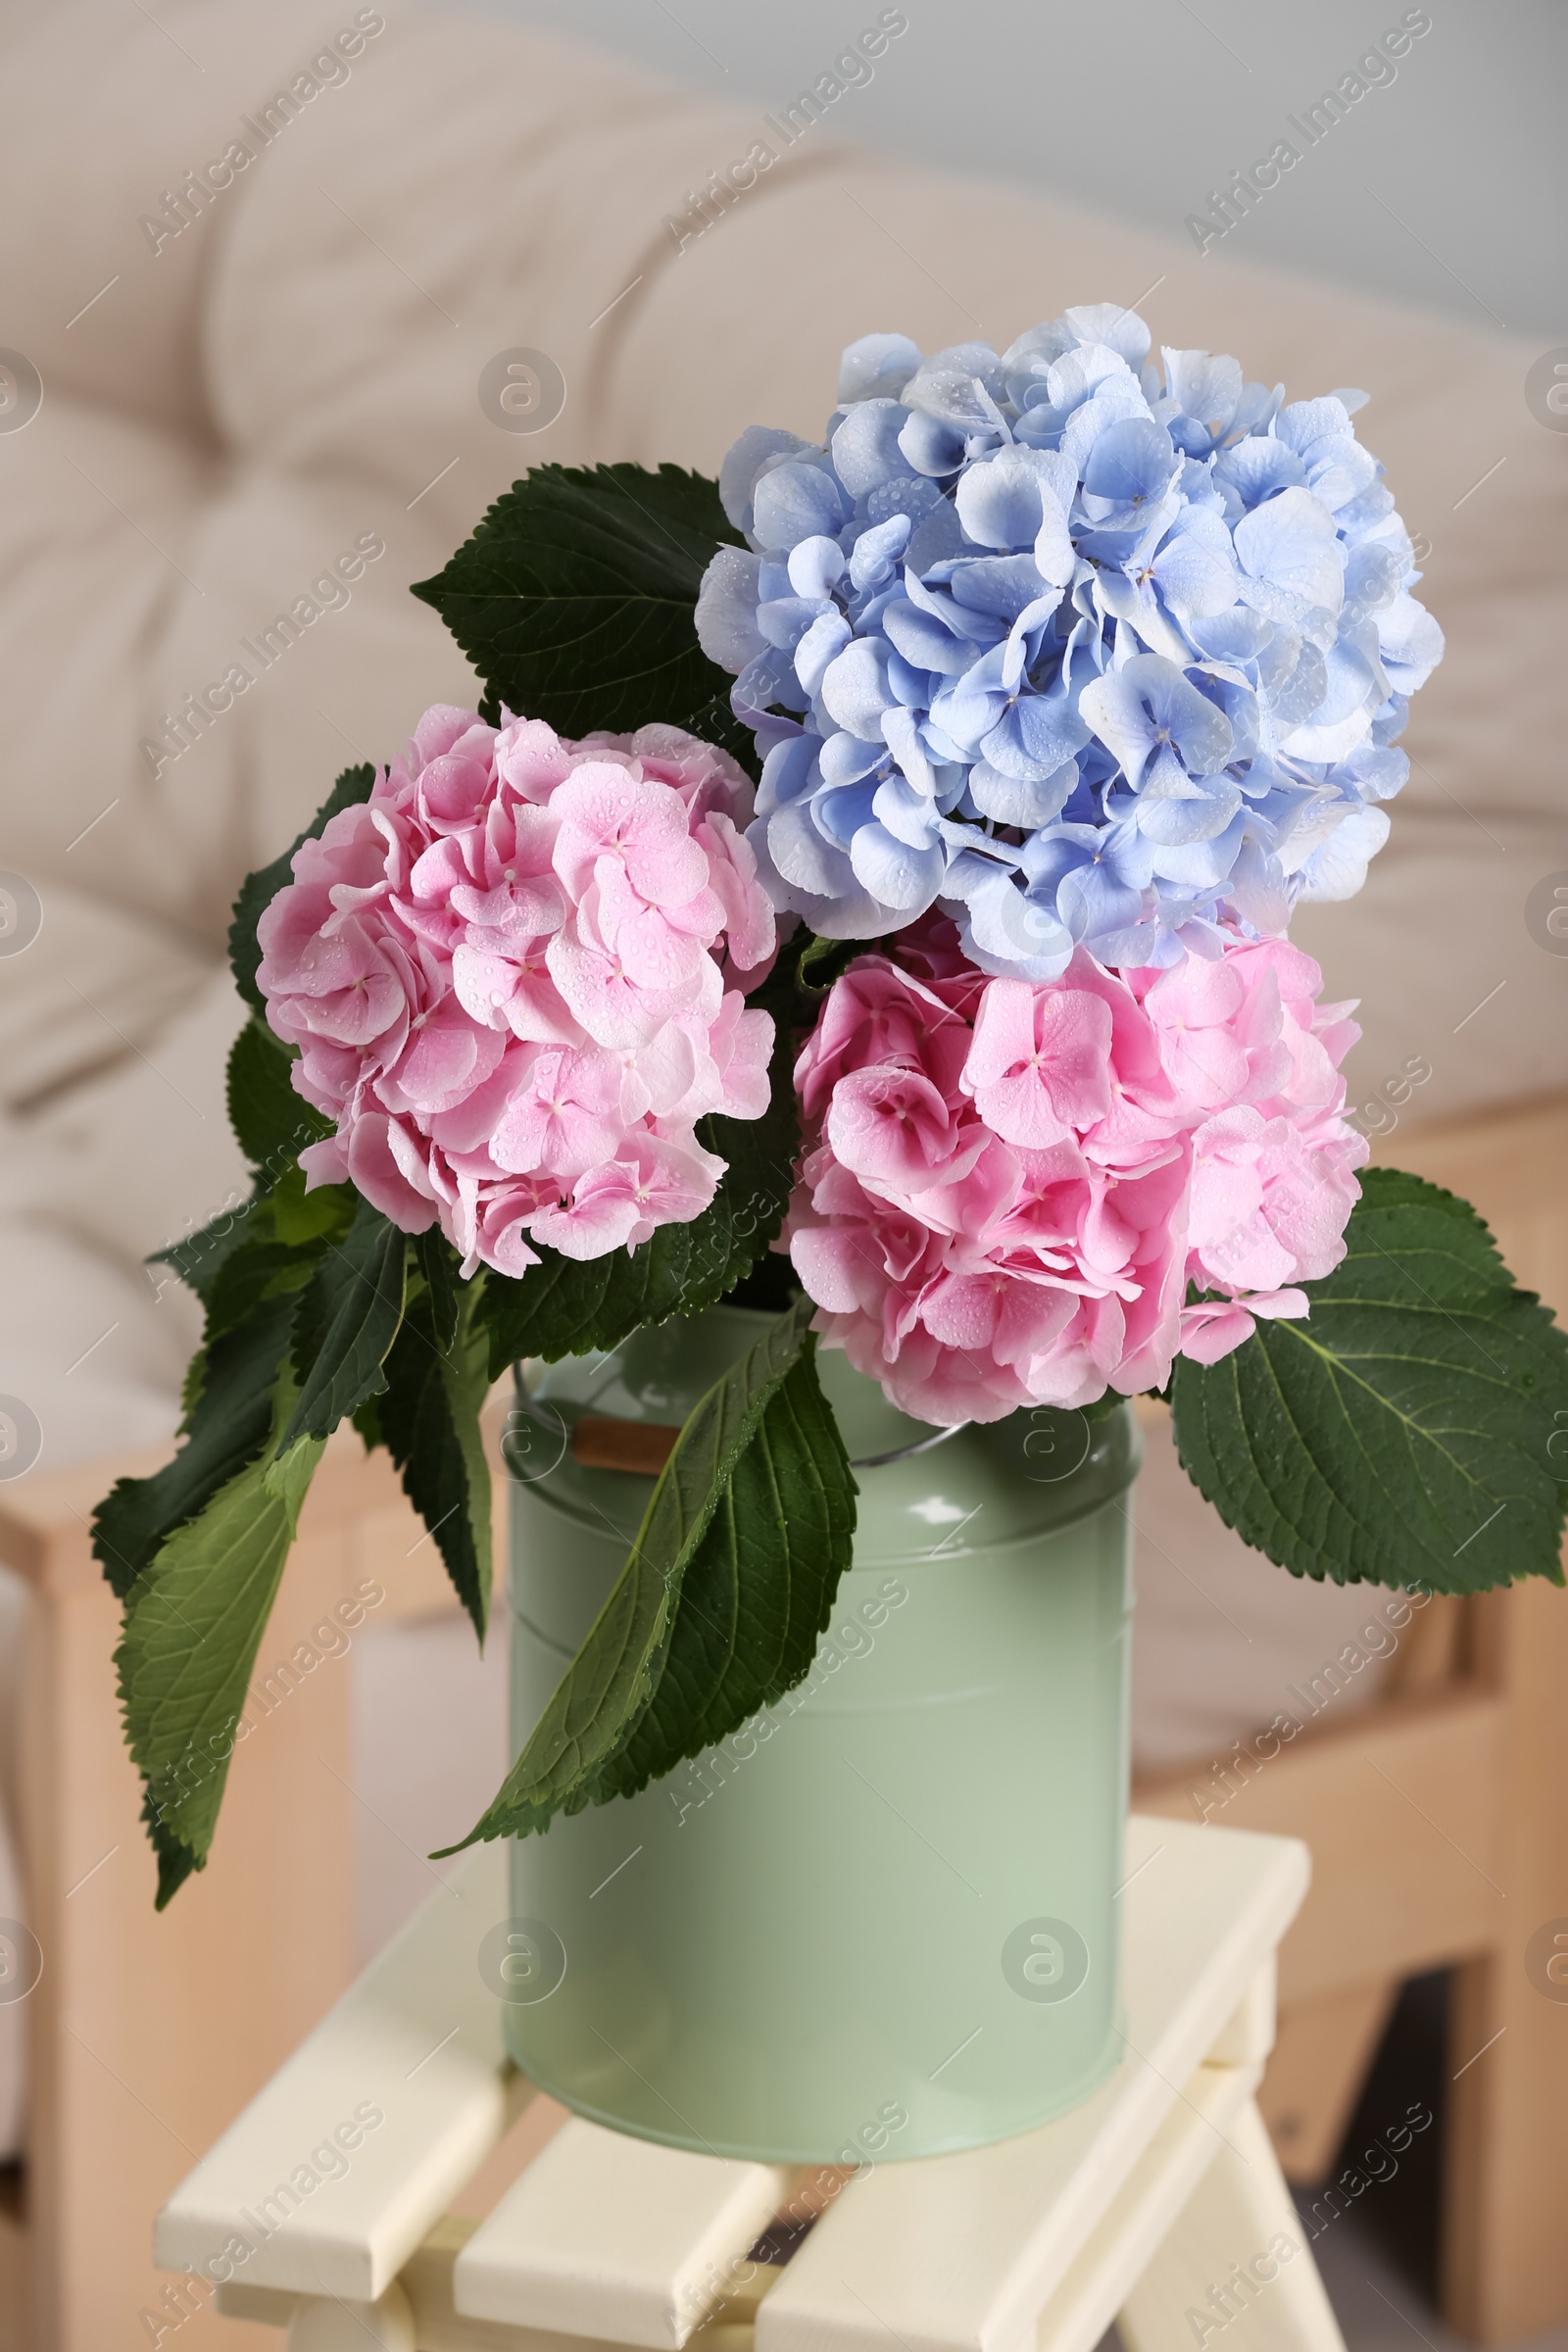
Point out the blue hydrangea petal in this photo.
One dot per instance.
(1080, 373)
(1238, 635)
(793, 502)
(726, 609)
(1307, 421)
(1117, 401)
(1377, 772)
(1374, 575)
(1206, 389)
(1004, 929)
(1026, 801)
(877, 368)
(911, 684)
(903, 734)
(1111, 328)
(788, 774)
(1148, 702)
(931, 445)
(821, 645)
(998, 499)
(866, 448)
(854, 690)
(1034, 736)
(1336, 868)
(785, 619)
(874, 557)
(949, 385)
(1353, 692)
(1202, 865)
(921, 638)
(1256, 468)
(737, 476)
(1128, 472)
(1411, 643)
(910, 815)
(1194, 568)
(769, 678)
(839, 816)
(935, 536)
(1004, 586)
(844, 759)
(1091, 899)
(901, 877)
(1290, 546)
(814, 566)
(1192, 809)
(802, 851)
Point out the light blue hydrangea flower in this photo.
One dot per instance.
(1071, 644)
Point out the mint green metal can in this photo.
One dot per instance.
(880, 1922)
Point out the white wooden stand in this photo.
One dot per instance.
(1158, 2202)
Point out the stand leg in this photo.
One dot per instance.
(331, 2325)
(1505, 2136)
(1236, 2264)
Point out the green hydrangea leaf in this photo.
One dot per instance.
(437, 1379)
(759, 1591)
(324, 1213)
(229, 1419)
(271, 1123)
(449, 1296)
(193, 1623)
(259, 1269)
(1408, 1432)
(747, 1532)
(347, 1321)
(198, 1258)
(573, 600)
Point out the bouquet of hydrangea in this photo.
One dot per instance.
(929, 985)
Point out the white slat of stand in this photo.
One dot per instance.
(609, 2236)
(1147, 2200)
(1094, 2288)
(960, 2253)
(1239, 2239)
(418, 2039)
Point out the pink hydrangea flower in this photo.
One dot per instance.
(515, 976)
(1007, 1186)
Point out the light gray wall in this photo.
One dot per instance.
(1448, 187)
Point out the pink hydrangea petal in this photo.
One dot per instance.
(441, 726)
(1040, 1065)
(605, 813)
(1214, 1329)
(447, 1057)
(532, 760)
(892, 1128)
(600, 990)
(747, 911)
(325, 1162)
(503, 1215)
(566, 1119)
(655, 951)
(743, 1056)
(385, 1165)
(623, 1203)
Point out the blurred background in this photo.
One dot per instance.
(1452, 196)
(228, 403)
